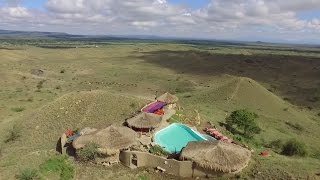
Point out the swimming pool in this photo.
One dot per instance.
(176, 136)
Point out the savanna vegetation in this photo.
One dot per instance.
(88, 153)
(265, 96)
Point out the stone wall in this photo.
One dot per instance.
(171, 166)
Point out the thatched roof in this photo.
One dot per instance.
(112, 137)
(145, 120)
(168, 98)
(217, 156)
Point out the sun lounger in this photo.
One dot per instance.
(217, 135)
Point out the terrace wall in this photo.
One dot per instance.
(171, 166)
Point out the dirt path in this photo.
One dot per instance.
(236, 89)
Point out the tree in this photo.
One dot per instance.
(245, 121)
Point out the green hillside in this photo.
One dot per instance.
(99, 86)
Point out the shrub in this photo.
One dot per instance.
(238, 138)
(40, 84)
(276, 145)
(133, 105)
(245, 121)
(30, 99)
(89, 152)
(143, 177)
(294, 147)
(177, 118)
(13, 134)
(62, 71)
(315, 154)
(286, 99)
(296, 126)
(158, 150)
(18, 109)
(29, 174)
(60, 165)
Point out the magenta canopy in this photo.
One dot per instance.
(153, 107)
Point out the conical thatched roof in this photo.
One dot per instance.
(217, 156)
(112, 137)
(168, 98)
(145, 120)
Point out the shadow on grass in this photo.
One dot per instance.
(287, 75)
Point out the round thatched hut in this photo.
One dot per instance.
(113, 138)
(168, 98)
(216, 156)
(144, 122)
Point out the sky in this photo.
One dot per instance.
(295, 21)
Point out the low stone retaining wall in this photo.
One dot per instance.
(135, 159)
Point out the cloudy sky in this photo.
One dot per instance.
(252, 20)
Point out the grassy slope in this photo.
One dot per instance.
(218, 101)
(41, 128)
(123, 68)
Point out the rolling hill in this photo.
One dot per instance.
(97, 86)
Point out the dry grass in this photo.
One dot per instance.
(104, 85)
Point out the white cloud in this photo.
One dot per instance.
(253, 12)
(14, 12)
(219, 19)
(297, 5)
(145, 23)
(68, 7)
(17, 12)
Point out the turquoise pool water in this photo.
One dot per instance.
(176, 136)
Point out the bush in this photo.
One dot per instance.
(238, 138)
(315, 154)
(13, 134)
(133, 105)
(60, 165)
(243, 120)
(295, 126)
(157, 150)
(276, 145)
(40, 84)
(143, 177)
(294, 147)
(29, 174)
(177, 118)
(89, 152)
(30, 99)
(18, 109)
